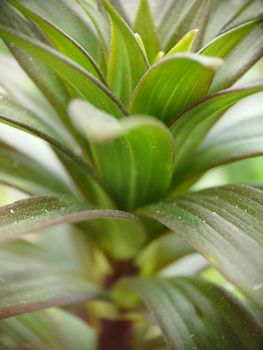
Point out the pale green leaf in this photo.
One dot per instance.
(46, 80)
(241, 47)
(185, 44)
(54, 329)
(190, 128)
(163, 92)
(194, 314)
(238, 141)
(224, 224)
(162, 252)
(19, 171)
(182, 17)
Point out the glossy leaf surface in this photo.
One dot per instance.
(191, 127)
(65, 16)
(127, 63)
(163, 92)
(36, 213)
(238, 141)
(194, 314)
(144, 25)
(62, 41)
(241, 47)
(138, 147)
(87, 86)
(224, 224)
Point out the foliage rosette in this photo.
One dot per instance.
(129, 109)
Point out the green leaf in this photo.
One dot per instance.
(249, 11)
(223, 224)
(40, 289)
(67, 18)
(185, 44)
(239, 141)
(101, 25)
(144, 25)
(222, 13)
(62, 41)
(19, 171)
(191, 127)
(127, 63)
(241, 47)
(46, 80)
(84, 83)
(163, 92)
(194, 314)
(50, 329)
(181, 17)
(138, 147)
(14, 115)
(162, 252)
(36, 213)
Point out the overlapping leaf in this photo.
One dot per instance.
(225, 225)
(19, 171)
(66, 17)
(192, 126)
(163, 92)
(140, 151)
(241, 47)
(238, 141)
(144, 25)
(54, 329)
(65, 44)
(47, 81)
(162, 252)
(127, 63)
(84, 83)
(39, 212)
(194, 314)
(181, 17)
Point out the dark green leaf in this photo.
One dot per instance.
(47, 81)
(191, 127)
(84, 83)
(62, 41)
(68, 18)
(138, 147)
(144, 25)
(36, 213)
(19, 171)
(127, 63)
(241, 47)
(194, 314)
(238, 141)
(163, 91)
(224, 224)
(40, 289)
